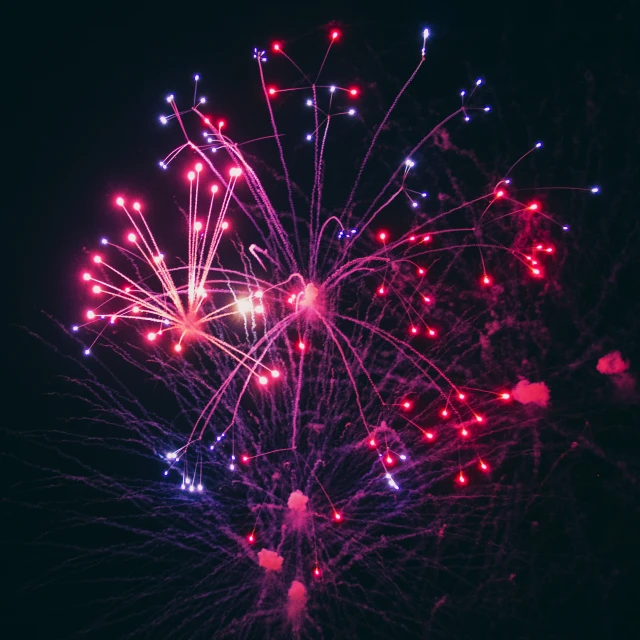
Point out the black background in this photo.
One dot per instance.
(86, 84)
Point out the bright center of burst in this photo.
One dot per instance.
(310, 296)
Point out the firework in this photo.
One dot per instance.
(317, 352)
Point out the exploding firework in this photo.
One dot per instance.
(325, 355)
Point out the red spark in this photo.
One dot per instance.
(276, 46)
(533, 206)
(505, 396)
(372, 443)
(382, 235)
(486, 280)
(499, 194)
(461, 478)
(335, 35)
(406, 404)
(429, 435)
(251, 538)
(337, 516)
(483, 466)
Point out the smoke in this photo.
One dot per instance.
(615, 366)
(297, 501)
(297, 599)
(612, 364)
(527, 392)
(270, 560)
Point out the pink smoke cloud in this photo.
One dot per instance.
(297, 501)
(270, 560)
(612, 364)
(297, 599)
(526, 392)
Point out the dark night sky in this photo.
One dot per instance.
(81, 118)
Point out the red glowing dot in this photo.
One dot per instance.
(505, 396)
(97, 259)
(214, 189)
(199, 167)
(120, 202)
(221, 124)
(432, 332)
(406, 405)
(316, 572)
(272, 91)
(533, 206)
(479, 418)
(444, 413)
(372, 443)
(426, 239)
(483, 466)
(275, 373)
(461, 478)
(539, 247)
(86, 276)
(245, 458)
(225, 225)
(421, 271)
(127, 289)
(382, 235)
(536, 272)
(131, 237)
(353, 92)
(429, 435)
(301, 345)
(412, 238)
(263, 380)
(486, 280)
(251, 538)
(207, 121)
(461, 396)
(96, 288)
(337, 516)
(426, 298)
(549, 249)
(388, 459)
(499, 194)
(381, 291)
(414, 330)
(91, 315)
(276, 46)
(136, 206)
(335, 35)
(178, 348)
(464, 432)
(151, 336)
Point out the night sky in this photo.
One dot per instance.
(86, 87)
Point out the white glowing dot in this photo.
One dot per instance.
(244, 305)
(151, 336)
(199, 487)
(463, 93)
(309, 136)
(203, 100)
(538, 145)
(275, 374)
(332, 88)
(214, 189)
(309, 103)
(595, 190)
(235, 172)
(199, 167)
(87, 352)
(97, 259)
(225, 225)
(136, 206)
(170, 98)
(163, 120)
(96, 288)
(425, 34)
(91, 315)
(263, 380)
(259, 309)
(131, 237)
(74, 328)
(487, 108)
(352, 112)
(198, 226)
(478, 82)
(191, 175)
(467, 118)
(192, 488)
